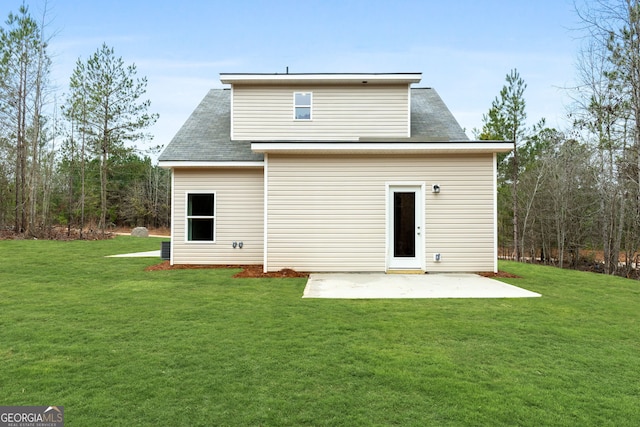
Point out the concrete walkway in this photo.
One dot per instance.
(148, 254)
(380, 285)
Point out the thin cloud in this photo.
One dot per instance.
(171, 64)
(80, 44)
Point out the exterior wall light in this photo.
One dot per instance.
(435, 188)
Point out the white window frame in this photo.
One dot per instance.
(310, 106)
(188, 217)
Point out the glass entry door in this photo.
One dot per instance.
(405, 228)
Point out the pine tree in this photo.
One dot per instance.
(506, 121)
(113, 111)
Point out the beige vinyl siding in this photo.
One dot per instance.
(329, 213)
(239, 215)
(339, 112)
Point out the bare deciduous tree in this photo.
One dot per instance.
(24, 66)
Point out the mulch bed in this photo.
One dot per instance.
(248, 271)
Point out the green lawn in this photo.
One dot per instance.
(118, 346)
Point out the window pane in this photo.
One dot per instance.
(200, 205)
(200, 229)
(303, 113)
(303, 99)
(404, 205)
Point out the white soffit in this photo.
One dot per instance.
(208, 164)
(328, 78)
(384, 147)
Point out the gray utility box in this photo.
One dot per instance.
(165, 251)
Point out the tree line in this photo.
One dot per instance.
(571, 197)
(73, 163)
(565, 196)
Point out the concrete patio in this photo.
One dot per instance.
(380, 285)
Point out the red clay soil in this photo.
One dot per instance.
(248, 271)
(255, 271)
(504, 274)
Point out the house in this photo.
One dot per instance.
(331, 172)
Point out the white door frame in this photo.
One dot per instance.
(405, 263)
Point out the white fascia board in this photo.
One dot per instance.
(383, 148)
(265, 219)
(187, 164)
(495, 213)
(322, 78)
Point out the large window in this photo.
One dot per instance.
(302, 105)
(201, 217)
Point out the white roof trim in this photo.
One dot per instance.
(405, 78)
(384, 147)
(188, 164)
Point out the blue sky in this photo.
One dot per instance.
(463, 48)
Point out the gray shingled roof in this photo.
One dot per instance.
(206, 135)
(431, 119)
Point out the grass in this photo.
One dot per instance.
(118, 346)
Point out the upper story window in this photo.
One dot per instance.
(302, 105)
